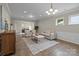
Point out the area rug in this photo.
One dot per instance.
(40, 46)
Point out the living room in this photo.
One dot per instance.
(39, 29)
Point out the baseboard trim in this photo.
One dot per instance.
(67, 42)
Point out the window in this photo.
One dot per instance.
(74, 19)
(60, 21)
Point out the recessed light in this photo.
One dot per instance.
(31, 16)
(25, 11)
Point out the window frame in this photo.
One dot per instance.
(69, 20)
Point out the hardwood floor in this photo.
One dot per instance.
(61, 49)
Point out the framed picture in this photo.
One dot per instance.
(60, 21)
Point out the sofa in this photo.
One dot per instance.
(49, 36)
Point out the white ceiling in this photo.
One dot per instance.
(37, 9)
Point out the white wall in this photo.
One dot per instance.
(6, 16)
(0, 18)
(65, 32)
(66, 27)
(68, 36)
(20, 24)
(0, 12)
(46, 25)
(68, 32)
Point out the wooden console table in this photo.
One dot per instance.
(7, 43)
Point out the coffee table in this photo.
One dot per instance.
(37, 38)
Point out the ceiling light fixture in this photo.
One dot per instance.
(47, 12)
(51, 10)
(25, 11)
